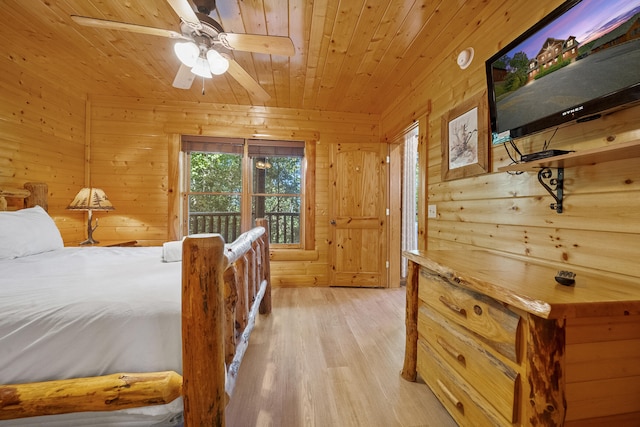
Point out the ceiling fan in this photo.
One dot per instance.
(203, 47)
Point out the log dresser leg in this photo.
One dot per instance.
(546, 403)
(409, 372)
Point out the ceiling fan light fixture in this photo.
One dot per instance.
(201, 68)
(187, 52)
(218, 63)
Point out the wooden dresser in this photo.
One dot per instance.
(501, 343)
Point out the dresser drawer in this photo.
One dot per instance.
(499, 327)
(465, 353)
(464, 403)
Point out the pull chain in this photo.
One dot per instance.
(203, 85)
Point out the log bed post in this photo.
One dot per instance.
(244, 303)
(39, 195)
(265, 305)
(230, 310)
(203, 331)
(32, 194)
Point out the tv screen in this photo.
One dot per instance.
(579, 61)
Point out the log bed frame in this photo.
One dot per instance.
(223, 289)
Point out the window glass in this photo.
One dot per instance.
(276, 195)
(216, 172)
(215, 199)
(216, 195)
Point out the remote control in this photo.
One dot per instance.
(566, 278)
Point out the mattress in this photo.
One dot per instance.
(76, 312)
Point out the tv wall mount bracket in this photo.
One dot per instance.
(553, 185)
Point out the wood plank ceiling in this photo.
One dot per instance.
(351, 55)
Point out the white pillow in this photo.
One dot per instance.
(172, 251)
(27, 232)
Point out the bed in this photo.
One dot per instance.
(122, 335)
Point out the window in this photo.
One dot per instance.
(231, 182)
(276, 188)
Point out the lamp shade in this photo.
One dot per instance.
(187, 52)
(202, 68)
(91, 199)
(218, 63)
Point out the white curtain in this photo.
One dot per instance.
(409, 184)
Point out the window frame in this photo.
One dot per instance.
(307, 194)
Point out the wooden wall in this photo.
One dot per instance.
(510, 213)
(42, 138)
(131, 140)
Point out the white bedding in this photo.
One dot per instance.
(77, 312)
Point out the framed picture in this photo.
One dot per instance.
(465, 139)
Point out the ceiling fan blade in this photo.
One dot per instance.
(274, 45)
(256, 91)
(134, 28)
(185, 11)
(184, 78)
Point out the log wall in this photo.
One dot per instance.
(600, 225)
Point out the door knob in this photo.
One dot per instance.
(333, 222)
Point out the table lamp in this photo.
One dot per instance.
(91, 199)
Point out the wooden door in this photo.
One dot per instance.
(358, 220)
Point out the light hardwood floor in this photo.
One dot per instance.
(331, 357)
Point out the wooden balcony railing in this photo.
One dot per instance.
(284, 227)
(225, 223)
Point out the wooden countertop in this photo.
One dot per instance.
(531, 286)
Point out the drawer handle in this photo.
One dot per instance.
(452, 351)
(461, 311)
(451, 397)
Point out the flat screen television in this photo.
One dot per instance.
(579, 61)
